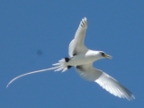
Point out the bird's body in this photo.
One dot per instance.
(87, 57)
(82, 59)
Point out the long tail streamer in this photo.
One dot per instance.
(57, 67)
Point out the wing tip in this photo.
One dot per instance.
(131, 97)
(83, 23)
(84, 18)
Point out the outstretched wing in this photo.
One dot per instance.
(77, 46)
(105, 81)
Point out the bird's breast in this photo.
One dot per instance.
(80, 60)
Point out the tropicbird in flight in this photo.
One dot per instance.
(82, 59)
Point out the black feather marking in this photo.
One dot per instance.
(74, 54)
(79, 67)
(82, 25)
(69, 67)
(67, 59)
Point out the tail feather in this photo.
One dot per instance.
(56, 64)
(60, 66)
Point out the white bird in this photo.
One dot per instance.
(82, 59)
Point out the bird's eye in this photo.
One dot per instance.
(102, 53)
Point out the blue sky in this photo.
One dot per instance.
(35, 34)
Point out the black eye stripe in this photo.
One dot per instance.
(103, 54)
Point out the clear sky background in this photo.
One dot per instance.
(36, 33)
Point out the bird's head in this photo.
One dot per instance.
(104, 55)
